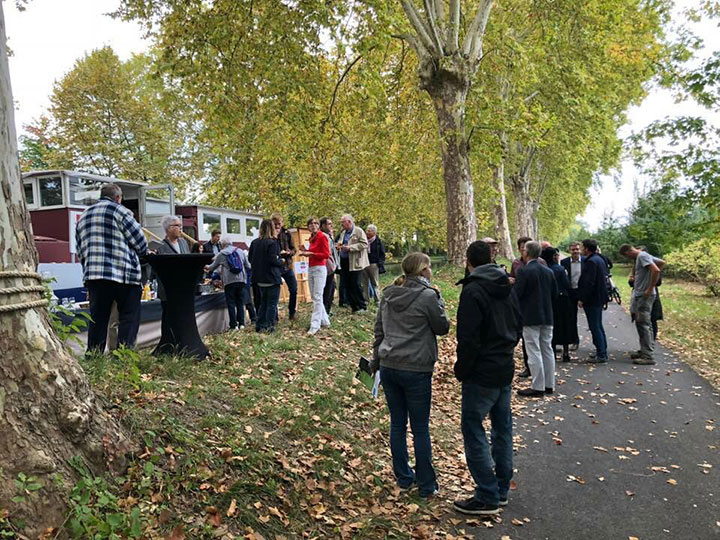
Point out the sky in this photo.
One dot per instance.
(50, 35)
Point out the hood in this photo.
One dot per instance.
(401, 297)
(227, 250)
(492, 278)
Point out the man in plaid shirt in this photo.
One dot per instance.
(108, 241)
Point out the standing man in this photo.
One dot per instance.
(593, 294)
(333, 264)
(108, 242)
(376, 257)
(536, 290)
(213, 245)
(352, 245)
(647, 274)
(493, 247)
(518, 263)
(287, 252)
(573, 267)
(488, 329)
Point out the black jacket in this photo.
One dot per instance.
(566, 263)
(592, 289)
(536, 290)
(265, 261)
(376, 254)
(488, 328)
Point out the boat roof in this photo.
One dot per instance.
(97, 177)
(222, 209)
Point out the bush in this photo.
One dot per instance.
(700, 261)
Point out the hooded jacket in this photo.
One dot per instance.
(226, 275)
(488, 328)
(409, 318)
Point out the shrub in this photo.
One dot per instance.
(700, 261)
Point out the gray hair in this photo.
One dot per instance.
(225, 241)
(533, 249)
(372, 228)
(348, 217)
(112, 191)
(167, 221)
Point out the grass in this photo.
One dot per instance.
(272, 435)
(691, 323)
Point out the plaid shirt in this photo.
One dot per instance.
(108, 241)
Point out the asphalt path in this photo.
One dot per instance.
(620, 450)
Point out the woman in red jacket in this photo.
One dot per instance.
(319, 252)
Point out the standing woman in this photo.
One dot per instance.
(267, 268)
(562, 305)
(319, 252)
(411, 314)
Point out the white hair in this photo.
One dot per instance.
(372, 228)
(167, 221)
(348, 217)
(225, 241)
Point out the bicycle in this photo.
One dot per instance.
(613, 292)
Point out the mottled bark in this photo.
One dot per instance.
(502, 226)
(525, 223)
(48, 413)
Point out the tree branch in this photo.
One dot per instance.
(337, 86)
(419, 27)
(434, 31)
(472, 47)
(453, 31)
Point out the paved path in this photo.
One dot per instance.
(621, 451)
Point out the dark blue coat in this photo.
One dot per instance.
(592, 289)
(265, 261)
(535, 290)
(566, 264)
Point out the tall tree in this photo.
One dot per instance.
(48, 413)
(446, 70)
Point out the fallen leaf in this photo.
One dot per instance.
(232, 509)
(518, 522)
(176, 534)
(672, 482)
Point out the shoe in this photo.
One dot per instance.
(549, 390)
(292, 317)
(636, 354)
(408, 488)
(566, 358)
(524, 374)
(433, 493)
(530, 392)
(474, 507)
(312, 331)
(596, 360)
(241, 327)
(503, 500)
(592, 354)
(644, 362)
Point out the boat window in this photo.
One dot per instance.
(50, 191)
(157, 201)
(83, 191)
(210, 222)
(232, 226)
(252, 227)
(29, 194)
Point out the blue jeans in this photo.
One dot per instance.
(492, 475)
(409, 394)
(594, 319)
(267, 313)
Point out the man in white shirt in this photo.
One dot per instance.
(573, 267)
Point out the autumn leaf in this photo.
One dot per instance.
(232, 509)
(176, 534)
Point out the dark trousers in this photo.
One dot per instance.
(329, 292)
(256, 297)
(353, 287)
(102, 293)
(408, 395)
(235, 300)
(267, 313)
(249, 302)
(573, 315)
(289, 276)
(594, 319)
(342, 290)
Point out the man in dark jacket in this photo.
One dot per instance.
(488, 329)
(287, 252)
(573, 267)
(536, 290)
(593, 294)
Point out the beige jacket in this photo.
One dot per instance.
(357, 244)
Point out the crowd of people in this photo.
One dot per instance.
(537, 303)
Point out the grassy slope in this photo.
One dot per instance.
(691, 325)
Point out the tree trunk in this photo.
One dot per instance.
(449, 93)
(524, 222)
(502, 227)
(48, 413)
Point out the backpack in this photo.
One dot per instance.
(235, 264)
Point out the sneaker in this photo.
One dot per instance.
(524, 374)
(312, 331)
(474, 507)
(597, 360)
(503, 500)
(636, 354)
(433, 493)
(644, 361)
(241, 327)
(530, 392)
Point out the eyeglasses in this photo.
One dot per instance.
(176, 225)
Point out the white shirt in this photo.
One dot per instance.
(575, 272)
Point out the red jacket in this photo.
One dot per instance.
(321, 248)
